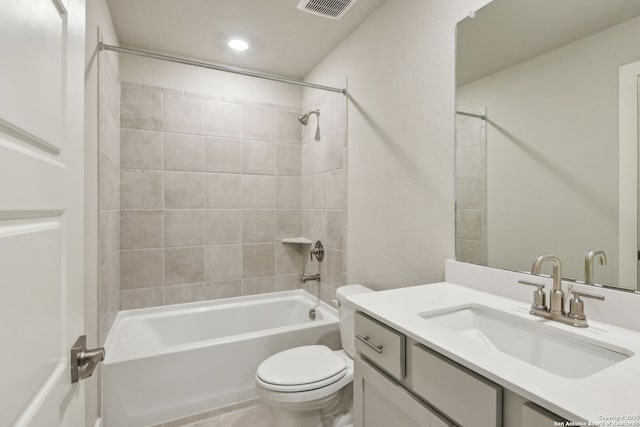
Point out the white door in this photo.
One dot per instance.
(41, 228)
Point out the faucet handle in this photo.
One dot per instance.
(579, 294)
(539, 297)
(576, 305)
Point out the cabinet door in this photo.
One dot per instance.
(380, 402)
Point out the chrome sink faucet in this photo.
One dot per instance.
(555, 311)
(588, 263)
(556, 295)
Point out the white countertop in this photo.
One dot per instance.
(611, 392)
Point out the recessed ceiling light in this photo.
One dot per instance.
(238, 44)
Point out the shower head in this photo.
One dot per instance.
(304, 119)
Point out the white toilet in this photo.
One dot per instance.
(311, 386)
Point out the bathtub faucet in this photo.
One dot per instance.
(312, 277)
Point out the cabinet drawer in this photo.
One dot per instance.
(534, 416)
(463, 396)
(380, 344)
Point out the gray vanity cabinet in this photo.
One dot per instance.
(399, 382)
(381, 402)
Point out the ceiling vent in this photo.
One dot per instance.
(332, 9)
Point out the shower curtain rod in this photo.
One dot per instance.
(234, 70)
(477, 116)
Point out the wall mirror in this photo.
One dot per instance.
(546, 136)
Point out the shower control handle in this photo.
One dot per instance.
(317, 251)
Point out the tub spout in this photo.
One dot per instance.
(312, 277)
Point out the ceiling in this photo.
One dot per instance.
(283, 39)
(507, 32)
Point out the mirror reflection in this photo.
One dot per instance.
(547, 140)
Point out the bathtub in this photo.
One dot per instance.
(165, 363)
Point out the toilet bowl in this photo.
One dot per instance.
(311, 386)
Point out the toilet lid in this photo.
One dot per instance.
(306, 365)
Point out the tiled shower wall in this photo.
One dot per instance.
(209, 186)
(324, 190)
(109, 189)
(471, 189)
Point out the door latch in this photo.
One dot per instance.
(83, 361)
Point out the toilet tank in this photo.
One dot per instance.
(347, 314)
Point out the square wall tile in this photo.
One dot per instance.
(141, 229)
(306, 191)
(335, 274)
(258, 192)
(141, 268)
(335, 192)
(469, 251)
(288, 128)
(223, 155)
(183, 152)
(223, 262)
(226, 289)
(318, 191)
(257, 123)
(223, 227)
(181, 294)
(141, 189)
(288, 224)
(318, 225)
(258, 157)
(223, 119)
(335, 148)
(223, 191)
(183, 228)
(289, 258)
(288, 159)
(468, 224)
(470, 193)
(335, 229)
(319, 155)
(183, 190)
(141, 149)
(183, 114)
(258, 226)
(258, 260)
(288, 192)
(184, 265)
(140, 109)
(141, 298)
(306, 161)
(287, 282)
(257, 285)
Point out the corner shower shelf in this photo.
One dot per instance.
(297, 240)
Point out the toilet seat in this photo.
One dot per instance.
(301, 369)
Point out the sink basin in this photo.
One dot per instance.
(557, 351)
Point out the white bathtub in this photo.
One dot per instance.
(169, 362)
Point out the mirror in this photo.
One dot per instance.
(546, 136)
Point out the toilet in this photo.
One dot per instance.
(311, 386)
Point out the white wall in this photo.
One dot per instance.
(152, 72)
(400, 69)
(98, 18)
(552, 150)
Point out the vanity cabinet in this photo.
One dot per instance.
(399, 382)
(381, 402)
